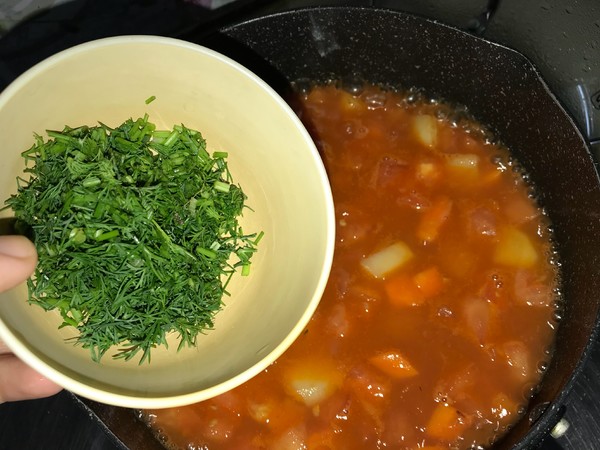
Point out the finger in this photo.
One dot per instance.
(20, 382)
(4, 348)
(17, 260)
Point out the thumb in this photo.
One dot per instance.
(18, 258)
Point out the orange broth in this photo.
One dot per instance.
(439, 315)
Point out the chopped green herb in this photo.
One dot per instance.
(134, 228)
(150, 99)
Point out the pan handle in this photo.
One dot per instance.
(549, 443)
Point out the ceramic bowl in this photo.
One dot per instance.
(271, 156)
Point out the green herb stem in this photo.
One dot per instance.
(134, 229)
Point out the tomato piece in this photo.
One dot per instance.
(520, 209)
(399, 428)
(353, 225)
(482, 222)
(339, 322)
(369, 386)
(518, 358)
(216, 420)
(478, 317)
(266, 411)
(390, 171)
(533, 289)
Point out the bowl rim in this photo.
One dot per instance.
(130, 400)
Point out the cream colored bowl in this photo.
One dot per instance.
(270, 155)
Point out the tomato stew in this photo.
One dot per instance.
(439, 315)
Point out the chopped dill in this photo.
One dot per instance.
(134, 229)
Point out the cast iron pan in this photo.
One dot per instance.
(501, 89)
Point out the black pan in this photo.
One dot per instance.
(501, 89)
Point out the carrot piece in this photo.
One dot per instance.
(446, 423)
(433, 218)
(402, 291)
(429, 281)
(394, 364)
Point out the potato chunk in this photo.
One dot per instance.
(515, 249)
(425, 127)
(312, 381)
(387, 259)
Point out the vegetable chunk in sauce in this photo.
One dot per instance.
(438, 317)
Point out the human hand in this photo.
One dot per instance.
(17, 380)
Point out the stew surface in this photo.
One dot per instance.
(439, 315)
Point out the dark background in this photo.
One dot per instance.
(561, 37)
